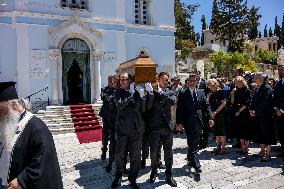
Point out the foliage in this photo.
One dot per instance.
(215, 14)
(231, 22)
(282, 32)
(184, 30)
(265, 31)
(187, 46)
(277, 32)
(226, 63)
(265, 56)
(253, 22)
(204, 27)
(270, 34)
(259, 34)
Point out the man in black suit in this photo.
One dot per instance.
(192, 106)
(112, 120)
(104, 113)
(129, 128)
(278, 104)
(161, 125)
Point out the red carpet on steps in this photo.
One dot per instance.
(86, 123)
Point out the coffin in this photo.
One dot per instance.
(142, 67)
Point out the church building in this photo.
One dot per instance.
(73, 45)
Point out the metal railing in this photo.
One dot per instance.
(39, 99)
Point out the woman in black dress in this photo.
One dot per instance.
(240, 99)
(217, 103)
(262, 110)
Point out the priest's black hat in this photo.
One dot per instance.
(8, 91)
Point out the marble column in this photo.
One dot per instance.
(96, 76)
(54, 55)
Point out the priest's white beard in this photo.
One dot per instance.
(8, 127)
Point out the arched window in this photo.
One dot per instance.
(141, 12)
(75, 4)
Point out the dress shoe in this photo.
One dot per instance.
(170, 181)
(198, 170)
(134, 185)
(116, 182)
(109, 168)
(153, 176)
(143, 164)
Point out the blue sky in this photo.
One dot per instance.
(268, 8)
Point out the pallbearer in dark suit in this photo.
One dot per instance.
(161, 125)
(278, 104)
(129, 128)
(104, 113)
(112, 120)
(191, 108)
(262, 109)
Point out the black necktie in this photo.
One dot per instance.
(194, 96)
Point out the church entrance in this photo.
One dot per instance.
(76, 72)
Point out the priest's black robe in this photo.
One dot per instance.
(34, 160)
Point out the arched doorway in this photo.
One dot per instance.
(76, 72)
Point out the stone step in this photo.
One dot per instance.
(62, 131)
(67, 120)
(60, 125)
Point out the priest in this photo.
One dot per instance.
(28, 156)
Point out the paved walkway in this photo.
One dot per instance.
(82, 168)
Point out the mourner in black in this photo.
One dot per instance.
(104, 113)
(217, 101)
(191, 108)
(240, 100)
(262, 109)
(29, 146)
(129, 128)
(278, 104)
(161, 125)
(112, 120)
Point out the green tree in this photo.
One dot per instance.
(270, 32)
(265, 56)
(253, 22)
(204, 27)
(277, 32)
(226, 63)
(184, 35)
(259, 34)
(215, 14)
(232, 22)
(265, 31)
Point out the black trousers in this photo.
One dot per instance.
(193, 132)
(112, 144)
(133, 141)
(146, 144)
(164, 136)
(105, 134)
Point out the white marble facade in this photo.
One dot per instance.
(33, 32)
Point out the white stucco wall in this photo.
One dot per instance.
(26, 30)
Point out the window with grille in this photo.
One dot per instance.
(141, 10)
(75, 4)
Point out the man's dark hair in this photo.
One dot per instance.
(162, 74)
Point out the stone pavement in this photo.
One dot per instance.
(82, 168)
